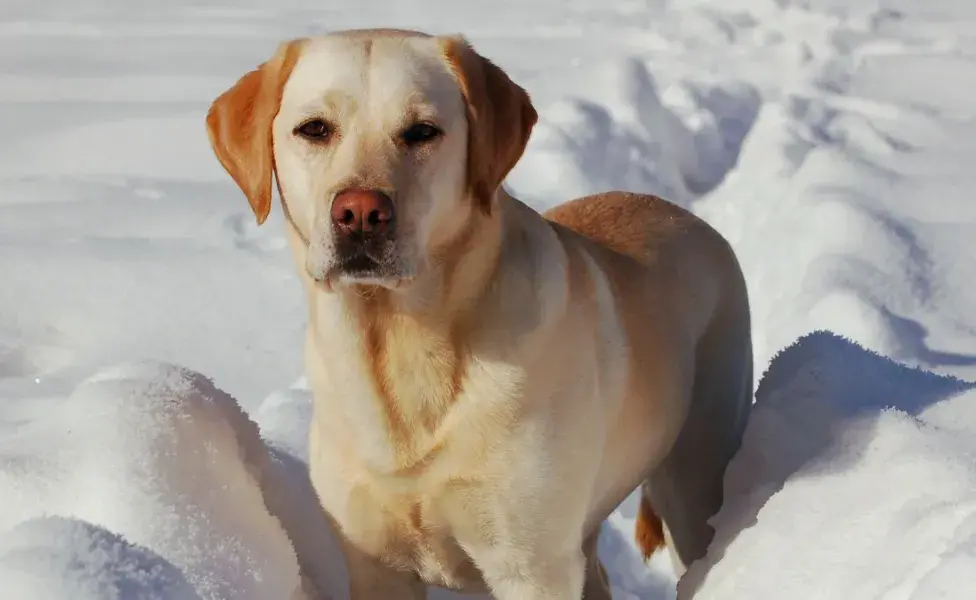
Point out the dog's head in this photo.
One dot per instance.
(386, 144)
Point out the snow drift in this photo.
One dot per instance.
(861, 466)
(857, 477)
(54, 558)
(157, 454)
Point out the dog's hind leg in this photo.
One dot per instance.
(686, 488)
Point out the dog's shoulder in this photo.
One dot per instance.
(664, 263)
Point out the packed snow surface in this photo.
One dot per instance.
(152, 411)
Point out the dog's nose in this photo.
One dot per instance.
(362, 211)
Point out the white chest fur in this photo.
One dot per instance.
(387, 491)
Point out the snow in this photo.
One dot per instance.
(52, 558)
(838, 427)
(156, 453)
(152, 410)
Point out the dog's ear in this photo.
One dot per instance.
(239, 126)
(500, 118)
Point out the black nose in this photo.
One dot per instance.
(362, 212)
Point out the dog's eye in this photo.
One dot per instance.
(316, 130)
(419, 133)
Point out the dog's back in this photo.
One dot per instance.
(637, 225)
(698, 267)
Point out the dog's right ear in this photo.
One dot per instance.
(239, 126)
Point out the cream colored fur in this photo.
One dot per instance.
(482, 406)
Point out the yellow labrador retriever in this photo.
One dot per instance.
(490, 383)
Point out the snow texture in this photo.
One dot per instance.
(159, 455)
(152, 447)
(54, 558)
(863, 468)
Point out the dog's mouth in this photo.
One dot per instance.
(365, 266)
(361, 264)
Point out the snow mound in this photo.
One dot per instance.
(856, 479)
(55, 558)
(627, 133)
(165, 490)
(156, 453)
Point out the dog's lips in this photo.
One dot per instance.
(363, 268)
(360, 263)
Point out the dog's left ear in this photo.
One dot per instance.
(500, 118)
(239, 126)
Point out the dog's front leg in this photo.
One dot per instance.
(523, 573)
(521, 554)
(369, 579)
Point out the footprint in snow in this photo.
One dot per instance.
(247, 235)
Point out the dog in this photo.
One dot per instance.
(489, 382)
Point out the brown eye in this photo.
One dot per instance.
(419, 133)
(315, 130)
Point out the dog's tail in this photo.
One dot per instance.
(649, 531)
